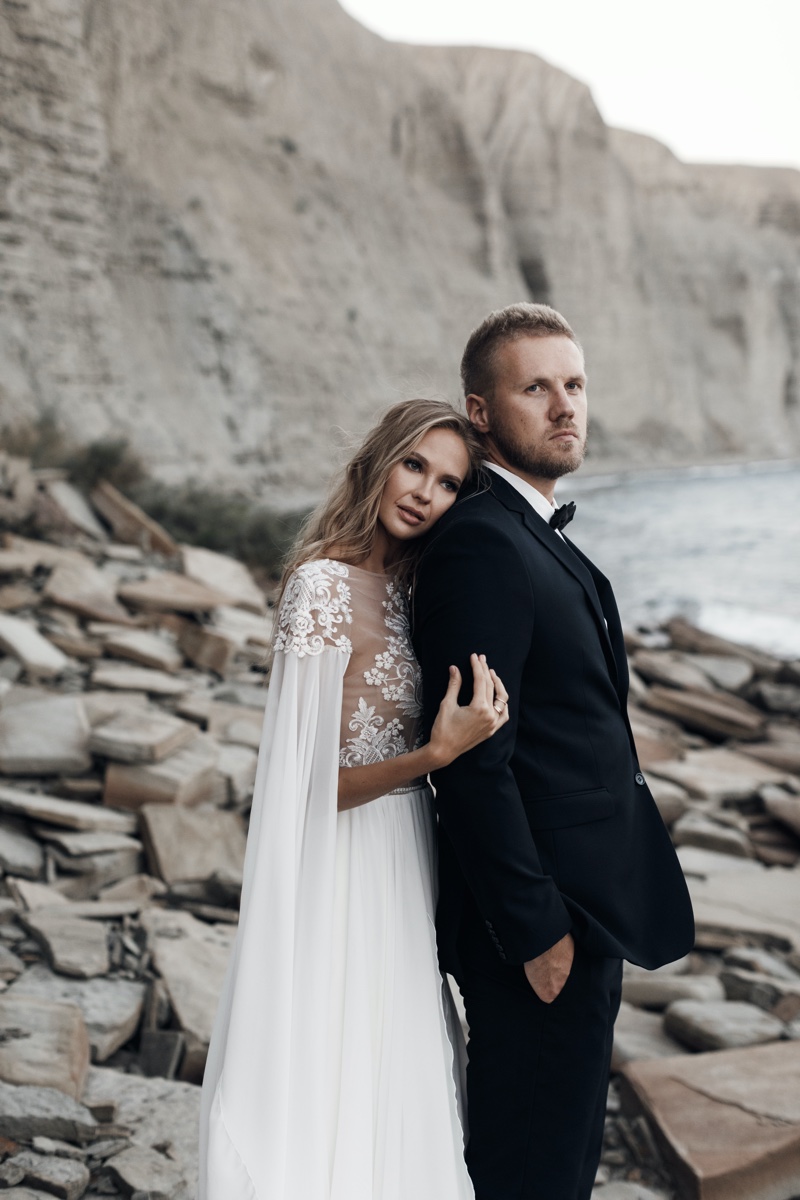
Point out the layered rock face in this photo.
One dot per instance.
(229, 230)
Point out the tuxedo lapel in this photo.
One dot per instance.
(575, 562)
(608, 604)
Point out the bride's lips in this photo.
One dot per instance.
(410, 515)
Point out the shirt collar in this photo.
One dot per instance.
(539, 503)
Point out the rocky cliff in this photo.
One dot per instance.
(230, 229)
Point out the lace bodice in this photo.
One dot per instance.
(329, 605)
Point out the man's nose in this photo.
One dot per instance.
(562, 404)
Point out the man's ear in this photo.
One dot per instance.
(478, 412)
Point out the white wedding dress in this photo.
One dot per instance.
(334, 1066)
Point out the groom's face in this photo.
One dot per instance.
(534, 420)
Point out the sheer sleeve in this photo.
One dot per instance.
(264, 1085)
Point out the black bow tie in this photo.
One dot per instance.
(562, 516)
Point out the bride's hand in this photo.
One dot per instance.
(458, 728)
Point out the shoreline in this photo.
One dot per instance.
(612, 472)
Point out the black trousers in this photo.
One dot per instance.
(537, 1076)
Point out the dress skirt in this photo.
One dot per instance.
(395, 1045)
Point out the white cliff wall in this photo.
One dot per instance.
(229, 229)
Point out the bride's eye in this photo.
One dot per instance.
(450, 485)
(413, 464)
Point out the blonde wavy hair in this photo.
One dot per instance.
(343, 526)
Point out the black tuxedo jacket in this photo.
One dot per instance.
(549, 826)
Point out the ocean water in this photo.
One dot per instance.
(720, 545)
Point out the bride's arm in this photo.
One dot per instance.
(457, 729)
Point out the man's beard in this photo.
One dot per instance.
(540, 462)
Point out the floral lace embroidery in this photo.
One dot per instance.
(396, 671)
(315, 605)
(397, 674)
(377, 739)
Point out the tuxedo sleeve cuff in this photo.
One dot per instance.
(517, 941)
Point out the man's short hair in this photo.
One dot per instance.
(506, 325)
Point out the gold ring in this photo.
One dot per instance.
(499, 705)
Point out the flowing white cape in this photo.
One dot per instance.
(264, 1102)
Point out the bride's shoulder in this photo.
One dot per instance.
(316, 604)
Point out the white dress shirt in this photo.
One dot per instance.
(539, 503)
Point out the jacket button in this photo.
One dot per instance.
(639, 777)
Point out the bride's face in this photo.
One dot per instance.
(424, 485)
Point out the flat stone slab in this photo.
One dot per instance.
(732, 674)
(93, 842)
(44, 1044)
(779, 697)
(141, 1170)
(716, 714)
(235, 723)
(47, 736)
(696, 829)
(245, 628)
(186, 845)
(111, 1008)
(783, 806)
(641, 1035)
(753, 958)
(207, 648)
(719, 774)
(70, 814)
(146, 648)
(765, 909)
(671, 800)
(139, 888)
(685, 636)
(31, 1111)
(701, 863)
(101, 705)
(720, 1024)
(166, 591)
(222, 573)
(129, 522)
(671, 668)
(68, 509)
(56, 1176)
(107, 673)
(728, 1122)
(74, 945)
(783, 756)
(781, 997)
(20, 854)
(655, 991)
(189, 776)
(191, 958)
(154, 1110)
(21, 639)
(82, 588)
(140, 736)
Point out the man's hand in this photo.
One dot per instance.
(548, 973)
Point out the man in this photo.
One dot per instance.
(554, 863)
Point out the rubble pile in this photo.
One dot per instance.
(133, 677)
(132, 688)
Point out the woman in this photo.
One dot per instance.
(331, 1072)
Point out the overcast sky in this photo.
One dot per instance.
(717, 80)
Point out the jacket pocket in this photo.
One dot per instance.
(572, 808)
